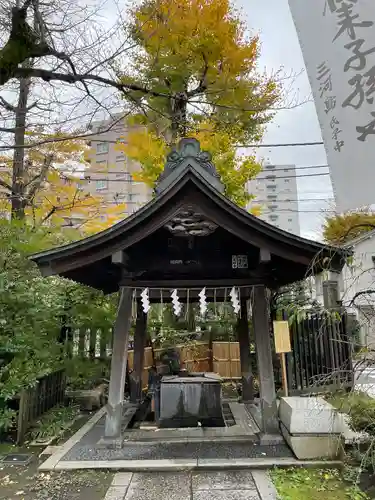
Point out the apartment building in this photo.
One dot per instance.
(110, 175)
(275, 190)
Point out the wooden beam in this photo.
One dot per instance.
(140, 338)
(245, 356)
(261, 322)
(118, 364)
(264, 255)
(192, 283)
(119, 258)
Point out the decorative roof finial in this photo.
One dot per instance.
(188, 152)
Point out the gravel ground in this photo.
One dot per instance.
(20, 483)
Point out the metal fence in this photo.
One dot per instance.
(321, 357)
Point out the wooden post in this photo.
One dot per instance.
(140, 337)
(283, 373)
(245, 356)
(118, 364)
(268, 406)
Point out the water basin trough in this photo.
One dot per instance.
(189, 401)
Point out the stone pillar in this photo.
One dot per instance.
(331, 294)
(118, 364)
(261, 319)
(140, 337)
(244, 340)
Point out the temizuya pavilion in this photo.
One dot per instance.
(190, 236)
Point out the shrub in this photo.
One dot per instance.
(86, 373)
(362, 414)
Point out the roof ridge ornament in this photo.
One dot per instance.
(188, 152)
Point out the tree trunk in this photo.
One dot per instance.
(179, 116)
(18, 178)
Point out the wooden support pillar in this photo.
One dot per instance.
(244, 340)
(118, 364)
(140, 337)
(261, 319)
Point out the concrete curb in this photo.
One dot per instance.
(264, 485)
(187, 464)
(53, 460)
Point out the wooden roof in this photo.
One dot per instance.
(102, 261)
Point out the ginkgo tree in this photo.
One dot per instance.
(341, 228)
(51, 190)
(199, 65)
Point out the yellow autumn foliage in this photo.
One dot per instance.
(61, 198)
(145, 147)
(198, 63)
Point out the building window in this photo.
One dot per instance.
(273, 207)
(120, 196)
(286, 169)
(271, 197)
(271, 186)
(287, 180)
(132, 197)
(101, 184)
(269, 167)
(271, 177)
(273, 217)
(290, 220)
(102, 147)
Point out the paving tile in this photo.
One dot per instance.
(223, 480)
(159, 493)
(122, 479)
(178, 481)
(115, 493)
(225, 495)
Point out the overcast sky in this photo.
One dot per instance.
(280, 48)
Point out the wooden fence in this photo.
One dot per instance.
(197, 357)
(226, 359)
(321, 355)
(90, 343)
(34, 401)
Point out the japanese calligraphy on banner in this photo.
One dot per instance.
(337, 39)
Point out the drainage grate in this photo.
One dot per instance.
(16, 459)
(228, 415)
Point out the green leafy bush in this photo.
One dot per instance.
(362, 414)
(34, 309)
(55, 422)
(86, 373)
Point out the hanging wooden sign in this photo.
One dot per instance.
(240, 262)
(282, 336)
(282, 345)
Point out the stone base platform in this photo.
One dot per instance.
(238, 444)
(312, 427)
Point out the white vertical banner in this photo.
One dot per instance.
(337, 39)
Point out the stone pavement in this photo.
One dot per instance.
(192, 485)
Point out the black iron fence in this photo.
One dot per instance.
(321, 357)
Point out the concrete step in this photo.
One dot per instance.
(187, 464)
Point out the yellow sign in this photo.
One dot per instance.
(282, 336)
